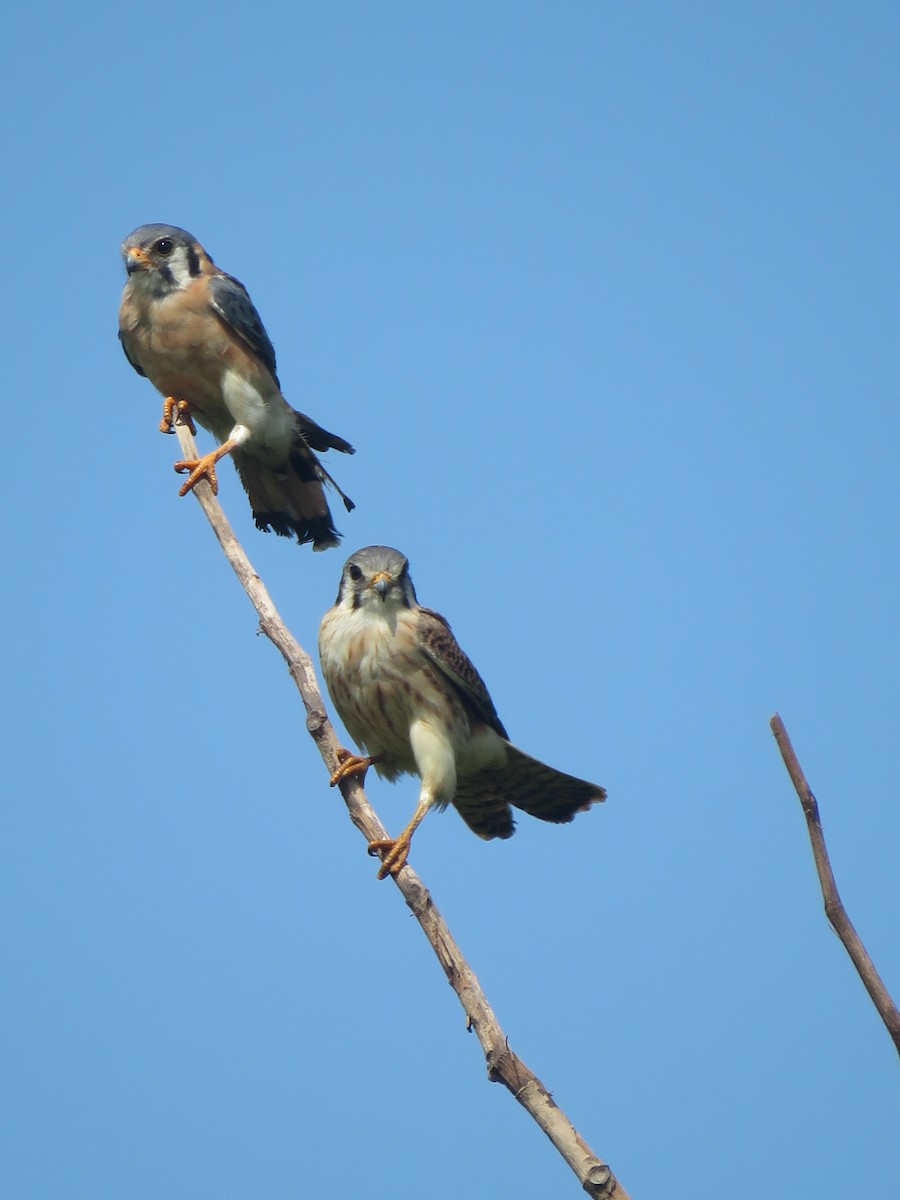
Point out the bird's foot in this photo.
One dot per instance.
(205, 467)
(396, 852)
(352, 764)
(167, 424)
(176, 412)
(199, 468)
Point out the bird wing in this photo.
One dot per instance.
(231, 302)
(137, 366)
(318, 438)
(441, 647)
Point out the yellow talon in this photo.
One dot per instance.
(396, 850)
(176, 412)
(204, 468)
(184, 417)
(352, 764)
(199, 468)
(395, 856)
(167, 424)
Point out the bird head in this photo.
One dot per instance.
(376, 577)
(163, 258)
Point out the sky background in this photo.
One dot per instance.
(605, 293)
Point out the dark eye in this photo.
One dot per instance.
(164, 246)
(354, 572)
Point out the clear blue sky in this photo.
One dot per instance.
(605, 293)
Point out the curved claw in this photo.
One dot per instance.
(200, 468)
(396, 850)
(176, 412)
(167, 424)
(204, 468)
(352, 764)
(184, 417)
(395, 856)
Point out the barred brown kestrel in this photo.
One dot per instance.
(415, 704)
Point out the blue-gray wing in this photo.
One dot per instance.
(134, 362)
(232, 302)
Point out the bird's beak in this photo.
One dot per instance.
(136, 260)
(381, 582)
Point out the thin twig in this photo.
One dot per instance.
(834, 908)
(503, 1065)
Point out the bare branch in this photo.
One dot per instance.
(834, 908)
(503, 1065)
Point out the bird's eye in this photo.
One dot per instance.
(354, 572)
(164, 246)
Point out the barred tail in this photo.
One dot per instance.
(544, 792)
(483, 800)
(290, 500)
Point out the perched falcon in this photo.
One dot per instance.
(193, 332)
(415, 704)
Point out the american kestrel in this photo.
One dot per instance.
(415, 705)
(193, 332)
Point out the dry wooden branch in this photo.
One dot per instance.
(503, 1065)
(834, 908)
